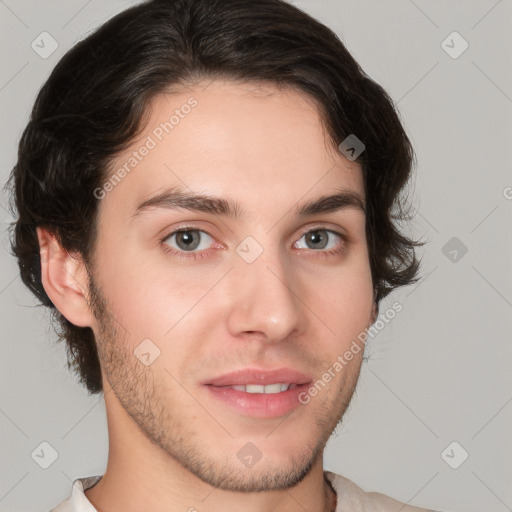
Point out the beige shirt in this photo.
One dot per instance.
(350, 498)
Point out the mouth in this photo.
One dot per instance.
(256, 377)
(268, 389)
(259, 393)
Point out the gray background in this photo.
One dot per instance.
(439, 372)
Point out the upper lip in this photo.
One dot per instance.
(256, 376)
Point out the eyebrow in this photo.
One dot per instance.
(175, 198)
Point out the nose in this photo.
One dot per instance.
(266, 301)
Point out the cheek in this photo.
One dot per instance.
(151, 301)
(138, 299)
(344, 302)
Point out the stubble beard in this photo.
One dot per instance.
(139, 394)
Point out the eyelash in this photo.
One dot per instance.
(202, 254)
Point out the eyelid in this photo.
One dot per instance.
(199, 254)
(323, 226)
(188, 227)
(305, 230)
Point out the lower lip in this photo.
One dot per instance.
(259, 405)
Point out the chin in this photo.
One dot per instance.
(266, 474)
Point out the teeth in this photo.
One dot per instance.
(254, 388)
(258, 388)
(273, 388)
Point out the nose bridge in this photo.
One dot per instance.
(264, 294)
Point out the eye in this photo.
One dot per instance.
(322, 239)
(188, 240)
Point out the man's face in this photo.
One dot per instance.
(272, 293)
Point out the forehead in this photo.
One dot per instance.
(252, 142)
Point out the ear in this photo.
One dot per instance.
(65, 280)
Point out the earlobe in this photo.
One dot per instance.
(64, 278)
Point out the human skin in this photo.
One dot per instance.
(172, 444)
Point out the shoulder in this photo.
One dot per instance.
(351, 497)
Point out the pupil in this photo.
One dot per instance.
(315, 237)
(188, 239)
